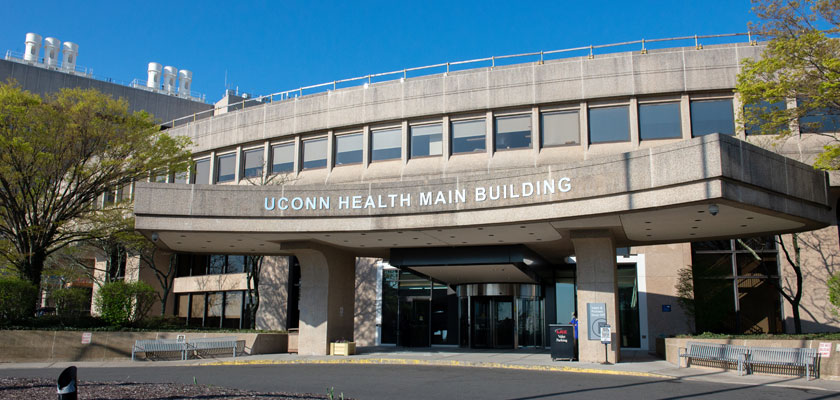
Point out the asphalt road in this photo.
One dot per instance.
(424, 382)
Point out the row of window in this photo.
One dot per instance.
(606, 124)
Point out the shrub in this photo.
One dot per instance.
(17, 300)
(123, 304)
(71, 301)
(834, 292)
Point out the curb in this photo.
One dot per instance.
(398, 361)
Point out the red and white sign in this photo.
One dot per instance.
(86, 337)
(825, 350)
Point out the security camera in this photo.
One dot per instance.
(713, 209)
(155, 236)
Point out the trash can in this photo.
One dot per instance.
(67, 384)
(562, 342)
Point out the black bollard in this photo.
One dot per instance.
(67, 384)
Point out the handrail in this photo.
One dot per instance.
(367, 79)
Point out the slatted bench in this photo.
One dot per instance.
(783, 357)
(159, 346)
(723, 353)
(212, 343)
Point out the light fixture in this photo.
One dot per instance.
(713, 209)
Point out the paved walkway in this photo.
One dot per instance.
(633, 363)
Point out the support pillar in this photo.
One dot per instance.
(596, 283)
(327, 295)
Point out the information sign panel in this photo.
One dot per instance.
(606, 334)
(596, 316)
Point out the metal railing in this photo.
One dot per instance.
(538, 56)
(138, 83)
(88, 73)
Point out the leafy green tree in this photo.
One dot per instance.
(58, 155)
(17, 299)
(801, 62)
(122, 303)
(72, 301)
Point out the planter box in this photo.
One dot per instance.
(343, 349)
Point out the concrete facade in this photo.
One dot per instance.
(584, 199)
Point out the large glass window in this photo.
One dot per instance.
(386, 144)
(315, 153)
(468, 136)
(560, 128)
(253, 162)
(609, 124)
(426, 140)
(513, 132)
(216, 265)
(225, 168)
(202, 171)
(763, 108)
(712, 116)
(282, 158)
(659, 121)
(820, 121)
(348, 149)
(233, 310)
(235, 264)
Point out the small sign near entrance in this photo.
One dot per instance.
(606, 335)
(181, 338)
(825, 350)
(86, 336)
(562, 342)
(596, 314)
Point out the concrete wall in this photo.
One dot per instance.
(274, 294)
(43, 346)
(829, 367)
(662, 264)
(42, 81)
(366, 305)
(820, 260)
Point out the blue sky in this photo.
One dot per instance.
(270, 46)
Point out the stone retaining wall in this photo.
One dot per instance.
(41, 346)
(829, 367)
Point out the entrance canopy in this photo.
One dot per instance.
(705, 188)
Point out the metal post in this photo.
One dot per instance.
(591, 56)
(644, 50)
(493, 62)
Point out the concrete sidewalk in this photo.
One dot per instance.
(633, 363)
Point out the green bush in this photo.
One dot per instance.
(71, 301)
(123, 304)
(18, 299)
(834, 292)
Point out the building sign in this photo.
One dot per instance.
(825, 350)
(422, 199)
(596, 314)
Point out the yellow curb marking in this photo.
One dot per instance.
(400, 361)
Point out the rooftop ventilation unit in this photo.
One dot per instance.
(69, 54)
(169, 74)
(33, 47)
(184, 82)
(51, 48)
(153, 80)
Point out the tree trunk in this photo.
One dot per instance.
(32, 266)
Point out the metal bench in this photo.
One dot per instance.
(783, 357)
(159, 346)
(212, 343)
(715, 352)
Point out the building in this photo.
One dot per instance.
(477, 207)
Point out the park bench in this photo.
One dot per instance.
(203, 345)
(159, 346)
(783, 357)
(723, 353)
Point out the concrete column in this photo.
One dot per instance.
(584, 126)
(330, 150)
(274, 295)
(634, 121)
(536, 130)
(447, 138)
(596, 283)
(366, 146)
(489, 137)
(298, 155)
(327, 295)
(685, 116)
(405, 142)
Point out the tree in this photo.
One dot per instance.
(801, 62)
(61, 153)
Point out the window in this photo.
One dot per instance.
(225, 168)
(202, 172)
(468, 136)
(609, 124)
(386, 144)
(181, 177)
(348, 149)
(315, 153)
(426, 140)
(513, 132)
(158, 176)
(253, 162)
(282, 158)
(712, 116)
(754, 127)
(659, 121)
(216, 265)
(820, 121)
(235, 265)
(560, 128)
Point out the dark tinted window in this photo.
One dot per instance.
(253, 162)
(754, 127)
(712, 116)
(426, 140)
(609, 124)
(820, 121)
(202, 171)
(348, 149)
(315, 153)
(659, 121)
(386, 144)
(282, 158)
(226, 168)
(468, 136)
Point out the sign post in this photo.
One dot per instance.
(606, 338)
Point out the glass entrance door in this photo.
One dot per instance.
(492, 322)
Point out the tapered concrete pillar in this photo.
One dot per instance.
(596, 284)
(327, 289)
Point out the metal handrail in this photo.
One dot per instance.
(18, 57)
(367, 79)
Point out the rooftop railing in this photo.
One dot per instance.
(493, 61)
